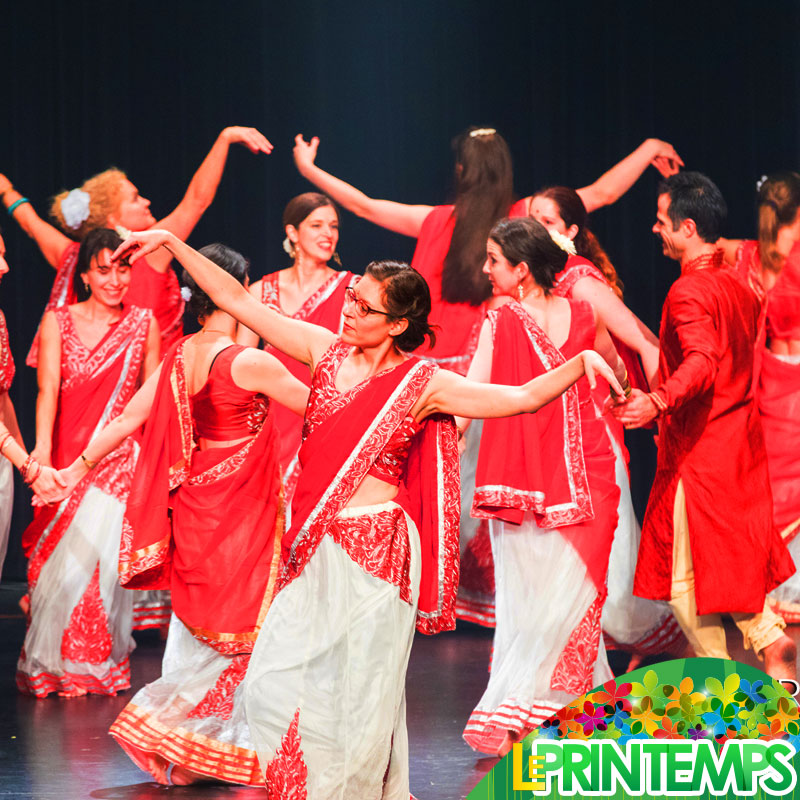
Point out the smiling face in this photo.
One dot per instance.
(504, 276)
(372, 329)
(317, 235)
(546, 211)
(134, 210)
(108, 281)
(3, 262)
(673, 242)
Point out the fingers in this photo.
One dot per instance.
(254, 140)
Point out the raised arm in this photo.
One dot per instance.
(257, 371)
(397, 217)
(300, 340)
(48, 238)
(449, 393)
(611, 185)
(621, 322)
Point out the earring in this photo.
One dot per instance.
(520, 293)
(288, 247)
(336, 258)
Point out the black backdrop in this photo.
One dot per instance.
(573, 86)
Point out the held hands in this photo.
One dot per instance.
(139, 243)
(252, 139)
(637, 412)
(49, 487)
(304, 152)
(664, 157)
(593, 365)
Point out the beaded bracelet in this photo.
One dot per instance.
(16, 203)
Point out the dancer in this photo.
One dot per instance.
(94, 354)
(373, 543)
(217, 550)
(108, 200)
(631, 623)
(551, 498)
(308, 290)
(452, 238)
(771, 266)
(709, 545)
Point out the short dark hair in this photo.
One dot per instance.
(524, 240)
(233, 262)
(407, 296)
(694, 196)
(95, 241)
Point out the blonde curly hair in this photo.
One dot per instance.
(104, 199)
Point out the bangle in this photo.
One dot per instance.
(89, 464)
(626, 387)
(25, 469)
(16, 203)
(4, 441)
(31, 479)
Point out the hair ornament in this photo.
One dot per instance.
(760, 182)
(186, 294)
(482, 132)
(123, 233)
(288, 247)
(564, 242)
(75, 208)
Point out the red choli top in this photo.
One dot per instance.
(325, 399)
(223, 411)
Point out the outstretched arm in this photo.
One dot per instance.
(48, 238)
(300, 340)
(611, 185)
(397, 217)
(449, 393)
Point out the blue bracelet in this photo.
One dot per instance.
(15, 204)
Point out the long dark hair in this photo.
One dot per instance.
(572, 210)
(484, 191)
(778, 201)
(92, 243)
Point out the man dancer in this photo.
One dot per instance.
(709, 545)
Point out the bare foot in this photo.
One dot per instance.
(511, 738)
(183, 777)
(780, 658)
(25, 604)
(636, 660)
(157, 766)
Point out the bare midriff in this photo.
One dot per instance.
(784, 347)
(371, 492)
(208, 444)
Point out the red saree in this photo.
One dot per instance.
(6, 359)
(149, 289)
(216, 551)
(339, 451)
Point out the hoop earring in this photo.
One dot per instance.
(336, 258)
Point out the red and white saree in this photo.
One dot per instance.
(78, 637)
(325, 691)
(6, 468)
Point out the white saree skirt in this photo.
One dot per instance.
(543, 595)
(6, 505)
(325, 690)
(79, 635)
(634, 623)
(193, 715)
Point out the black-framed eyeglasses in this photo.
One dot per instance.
(362, 309)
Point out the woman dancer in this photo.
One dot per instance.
(771, 266)
(108, 200)
(632, 623)
(551, 498)
(308, 290)
(217, 551)
(373, 543)
(451, 239)
(94, 354)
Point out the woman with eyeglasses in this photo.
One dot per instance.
(93, 356)
(310, 290)
(372, 551)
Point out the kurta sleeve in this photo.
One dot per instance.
(693, 322)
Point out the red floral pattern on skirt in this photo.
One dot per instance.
(87, 638)
(287, 773)
(218, 701)
(378, 543)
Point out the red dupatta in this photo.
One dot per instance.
(541, 468)
(6, 359)
(339, 452)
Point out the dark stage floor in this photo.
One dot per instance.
(60, 749)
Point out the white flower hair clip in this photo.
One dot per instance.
(75, 208)
(564, 242)
(123, 233)
(186, 294)
(760, 182)
(288, 247)
(482, 132)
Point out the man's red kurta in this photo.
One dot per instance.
(711, 438)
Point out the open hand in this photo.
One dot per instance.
(593, 365)
(305, 153)
(251, 138)
(140, 243)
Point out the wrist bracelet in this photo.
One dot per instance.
(16, 203)
(30, 479)
(5, 440)
(89, 464)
